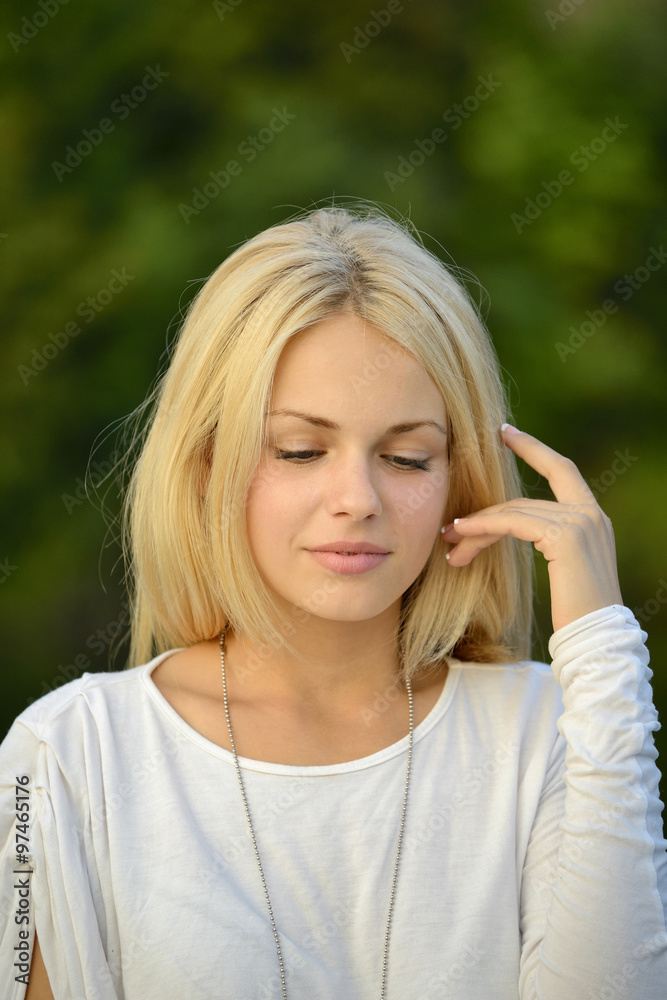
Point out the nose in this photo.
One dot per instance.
(352, 490)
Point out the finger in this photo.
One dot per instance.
(549, 508)
(465, 551)
(566, 482)
(546, 531)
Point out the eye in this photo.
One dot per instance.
(298, 457)
(410, 463)
(398, 461)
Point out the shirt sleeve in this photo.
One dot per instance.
(50, 885)
(594, 885)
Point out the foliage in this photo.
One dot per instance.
(466, 117)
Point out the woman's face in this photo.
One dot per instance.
(361, 456)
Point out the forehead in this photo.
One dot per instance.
(343, 366)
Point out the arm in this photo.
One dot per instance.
(61, 898)
(39, 987)
(594, 887)
(594, 884)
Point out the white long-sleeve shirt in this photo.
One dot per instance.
(533, 863)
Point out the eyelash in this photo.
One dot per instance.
(410, 463)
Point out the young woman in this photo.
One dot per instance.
(332, 770)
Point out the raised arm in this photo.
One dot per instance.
(594, 885)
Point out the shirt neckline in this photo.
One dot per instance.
(312, 770)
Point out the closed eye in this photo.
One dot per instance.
(398, 461)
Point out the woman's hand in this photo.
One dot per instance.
(573, 534)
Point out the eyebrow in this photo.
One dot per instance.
(403, 428)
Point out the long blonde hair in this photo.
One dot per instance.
(188, 558)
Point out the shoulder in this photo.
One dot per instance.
(521, 680)
(517, 702)
(59, 716)
(66, 700)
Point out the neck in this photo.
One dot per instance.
(333, 661)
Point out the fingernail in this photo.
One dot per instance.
(457, 520)
(509, 429)
(446, 528)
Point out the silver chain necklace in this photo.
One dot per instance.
(254, 839)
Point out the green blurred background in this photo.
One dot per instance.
(544, 183)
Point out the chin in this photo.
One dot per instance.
(351, 610)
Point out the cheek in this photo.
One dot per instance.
(420, 506)
(273, 507)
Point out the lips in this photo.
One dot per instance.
(349, 558)
(350, 548)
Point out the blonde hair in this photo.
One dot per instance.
(188, 556)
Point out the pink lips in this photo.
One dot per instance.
(349, 557)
